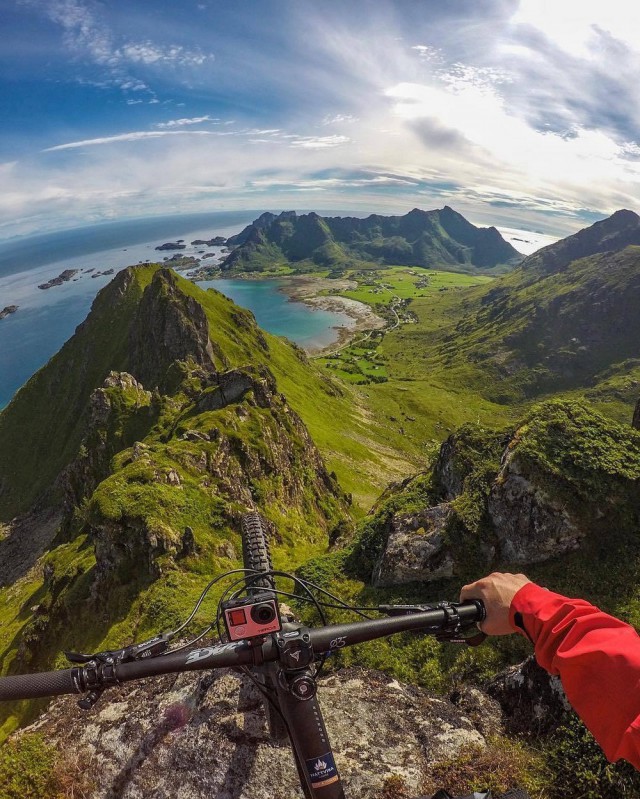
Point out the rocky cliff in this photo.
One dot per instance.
(563, 482)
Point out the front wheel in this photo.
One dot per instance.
(256, 556)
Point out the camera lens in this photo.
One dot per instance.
(264, 613)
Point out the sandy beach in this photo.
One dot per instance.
(307, 289)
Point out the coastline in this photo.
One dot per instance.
(307, 288)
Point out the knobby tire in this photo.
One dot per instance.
(257, 557)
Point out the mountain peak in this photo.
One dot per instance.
(612, 234)
(624, 217)
(440, 238)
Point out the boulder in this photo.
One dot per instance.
(530, 525)
(195, 736)
(416, 549)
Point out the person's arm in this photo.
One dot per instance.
(596, 655)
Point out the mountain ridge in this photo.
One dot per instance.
(441, 238)
(612, 234)
(551, 325)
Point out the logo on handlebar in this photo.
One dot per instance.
(200, 654)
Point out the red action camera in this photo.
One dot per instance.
(251, 616)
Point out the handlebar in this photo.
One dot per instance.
(99, 675)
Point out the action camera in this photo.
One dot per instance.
(251, 616)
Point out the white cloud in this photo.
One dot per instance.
(427, 52)
(128, 137)
(149, 53)
(179, 123)
(339, 119)
(87, 34)
(575, 25)
(319, 142)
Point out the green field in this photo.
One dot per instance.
(395, 371)
(381, 286)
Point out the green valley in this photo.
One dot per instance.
(488, 426)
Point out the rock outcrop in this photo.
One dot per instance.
(530, 524)
(636, 417)
(169, 326)
(533, 701)
(506, 500)
(278, 463)
(416, 548)
(191, 737)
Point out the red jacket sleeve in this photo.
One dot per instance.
(597, 658)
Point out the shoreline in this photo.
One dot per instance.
(306, 288)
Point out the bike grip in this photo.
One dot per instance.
(34, 686)
(482, 611)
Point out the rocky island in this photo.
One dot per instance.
(8, 309)
(63, 277)
(170, 245)
(217, 241)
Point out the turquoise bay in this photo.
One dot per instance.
(311, 328)
(46, 319)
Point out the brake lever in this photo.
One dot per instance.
(111, 657)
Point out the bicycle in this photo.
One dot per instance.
(280, 655)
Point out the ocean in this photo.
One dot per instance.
(45, 319)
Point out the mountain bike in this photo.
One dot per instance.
(261, 637)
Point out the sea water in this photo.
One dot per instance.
(47, 318)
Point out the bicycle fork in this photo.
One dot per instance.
(296, 688)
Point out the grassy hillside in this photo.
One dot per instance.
(497, 347)
(46, 420)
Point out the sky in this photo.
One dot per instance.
(520, 113)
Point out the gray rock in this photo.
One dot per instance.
(227, 550)
(230, 387)
(416, 549)
(529, 524)
(191, 737)
(24, 539)
(636, 416)
(446, 476)
(188, 543)
(533, 701)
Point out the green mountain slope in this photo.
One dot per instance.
(157, 425)
(441, 238)
(143, 322)
(537, 331)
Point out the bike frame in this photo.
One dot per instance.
(275, 654)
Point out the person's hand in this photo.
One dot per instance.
(497, 592)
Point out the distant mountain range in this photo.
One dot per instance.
(441, 238)
(569, 312)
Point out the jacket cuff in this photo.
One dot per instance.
(526, 602)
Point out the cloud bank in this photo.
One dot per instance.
(522, 114)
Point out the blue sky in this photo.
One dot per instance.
(522, 113)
